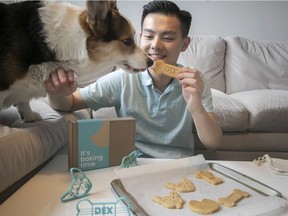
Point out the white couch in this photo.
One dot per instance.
(249, 81)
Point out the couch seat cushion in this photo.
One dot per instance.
(25, 146)
(268, 109)
(230, 113)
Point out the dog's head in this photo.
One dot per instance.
(111, 37)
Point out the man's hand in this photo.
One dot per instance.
(61, 83)
(192, 89)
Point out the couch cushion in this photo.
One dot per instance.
(251, 65)
(207, 55)
(268, 109)
(231, 114)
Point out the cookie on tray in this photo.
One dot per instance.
(184, 186)
(232, 199)
(205, 207)
(208, 176)
(172, 201)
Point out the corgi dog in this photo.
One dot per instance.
(39, 37)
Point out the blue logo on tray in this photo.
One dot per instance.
(86, 207)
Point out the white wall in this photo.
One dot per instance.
(264, 20)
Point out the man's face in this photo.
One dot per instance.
(161, 38)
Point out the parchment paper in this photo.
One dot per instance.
(144, 182)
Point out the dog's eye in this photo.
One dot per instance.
(128, 42)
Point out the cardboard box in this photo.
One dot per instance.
(100, 143)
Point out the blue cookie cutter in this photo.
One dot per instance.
(79, 187)
(86, 207)
(131, 159)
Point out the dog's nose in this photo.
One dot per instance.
(150, 62)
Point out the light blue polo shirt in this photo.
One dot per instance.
(163, 123)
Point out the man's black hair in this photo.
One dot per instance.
(168, 8)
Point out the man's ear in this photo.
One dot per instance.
(140, 37)
(186, 43)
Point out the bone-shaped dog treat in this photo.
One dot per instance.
(167, 69)
(233, 198)
(208, 176)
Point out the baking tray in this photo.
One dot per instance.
(222, 170)
(245, 180)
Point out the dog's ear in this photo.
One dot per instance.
(97, 10)
(113, 5)
(97, 14)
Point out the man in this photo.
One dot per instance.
(165, 109)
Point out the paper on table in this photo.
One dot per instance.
(277, 165)
(146, 181)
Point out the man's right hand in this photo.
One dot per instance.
(61, 83)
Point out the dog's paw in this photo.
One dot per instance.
(30, 117)
(26, 113)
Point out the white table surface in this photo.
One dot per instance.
(40, 196)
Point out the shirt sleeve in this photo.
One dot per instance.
(105, 92)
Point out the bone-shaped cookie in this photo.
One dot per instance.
(167, 69)
(233, 198)
(208, 176)
(185, 185)
(172, 201)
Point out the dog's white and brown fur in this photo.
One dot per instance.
(38, 37)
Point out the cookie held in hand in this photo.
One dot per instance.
(160, 67)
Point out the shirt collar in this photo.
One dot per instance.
(146, 78)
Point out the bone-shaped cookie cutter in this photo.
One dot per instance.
(131, 159)
(80, 186)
